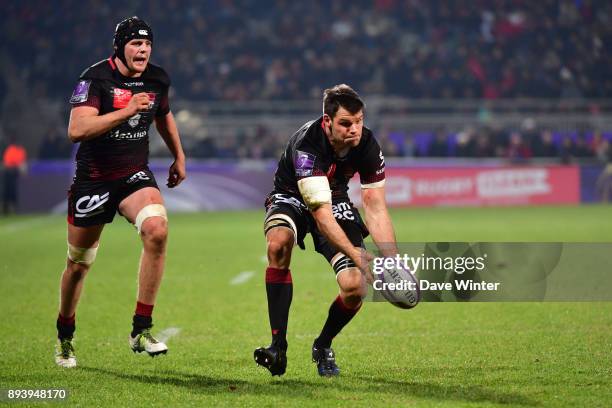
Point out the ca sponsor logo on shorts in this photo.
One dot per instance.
(86, 206)
(343, 211)
(141, 175)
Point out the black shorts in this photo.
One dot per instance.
(96, 202)
(346, 215)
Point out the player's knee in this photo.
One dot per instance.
(278, 250)
(280, 244)
(151, 217)
(350, 279)
(80, 260)
(154, 232)
(77, 271)
(352, 285)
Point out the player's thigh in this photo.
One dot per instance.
(131, 205)
(286, 222)
(84, 237)
(281, 235)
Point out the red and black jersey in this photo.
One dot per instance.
(309, 153)
(124, 149)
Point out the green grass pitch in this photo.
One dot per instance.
(445, 354)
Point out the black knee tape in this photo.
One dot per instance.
(341, 262)
(276, 222)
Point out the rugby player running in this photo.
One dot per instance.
(311, 195)
(113, 106)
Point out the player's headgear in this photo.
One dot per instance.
(128, 30)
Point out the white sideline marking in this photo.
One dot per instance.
(242, 277)
(168, 333)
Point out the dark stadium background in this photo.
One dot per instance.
(447, 83)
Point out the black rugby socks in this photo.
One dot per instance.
(279, 289)
(142, 318)
(338, 317)
(65, 326)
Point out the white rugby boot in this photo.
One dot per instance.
(146, 342)
(64, 353)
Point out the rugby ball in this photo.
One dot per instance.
(398, 286)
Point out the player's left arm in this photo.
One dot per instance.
(166, 126)
(378, 221)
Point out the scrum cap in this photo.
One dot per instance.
(127, 30)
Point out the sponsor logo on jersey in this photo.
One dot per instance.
(89, 206)
(81, 92)
(304, 163)
(133, 83)
(141, 175)
(133, 121)
(117, 134)
(121, 98)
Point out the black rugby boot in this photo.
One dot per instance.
(273, 358)
(326, 361)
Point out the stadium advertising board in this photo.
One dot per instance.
(474, 186)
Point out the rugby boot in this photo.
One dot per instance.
(326, 361)
(144, 341)
(64, 353)
(272, 358)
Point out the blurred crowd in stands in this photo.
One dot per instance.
(484, 142)
(473, 142)
(243, 50)
(280, 49)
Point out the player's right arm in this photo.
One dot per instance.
(317, 195)
(329, 227)
(86, 123)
